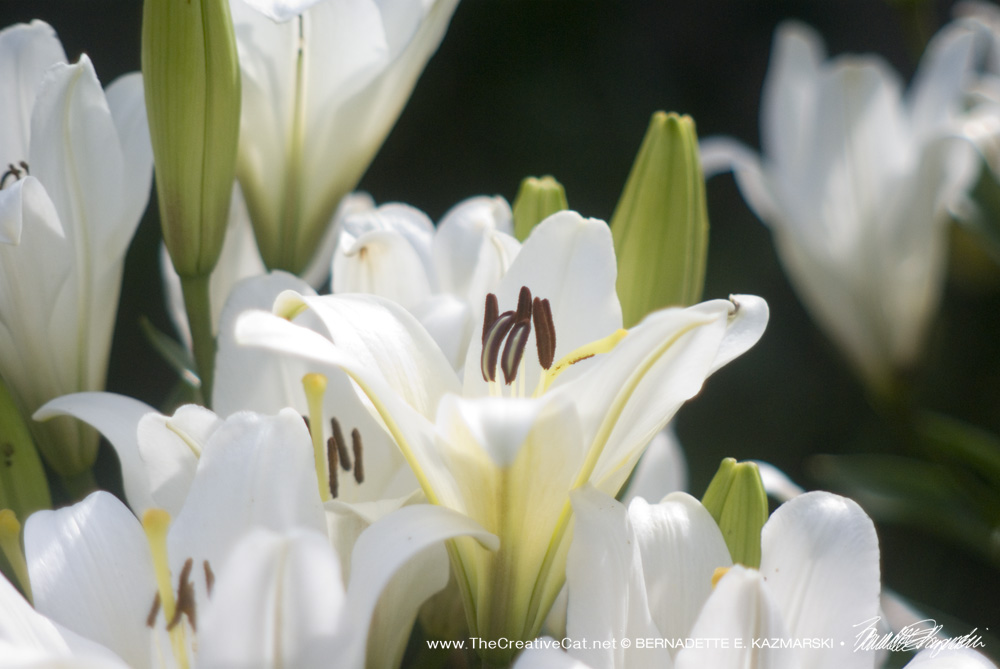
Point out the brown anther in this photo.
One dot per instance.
(491, 347)
(345, 457)
(305, 419)
(11, 172)
(185, 597)
(24, 166)
(331, 465)
(513, 351)
(209, 577)
(523, 313)
(359, 468)
(545, 332)
(154, 611)
(490, 314)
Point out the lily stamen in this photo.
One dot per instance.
(154, 611)
(545, 332)
(341, 444)
(315, 387)
(359, 470)
(209, 577)
(185, 598)
(12, 171)
(332, 453)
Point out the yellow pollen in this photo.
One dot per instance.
(718, 574)
(315, 387)
(10, 546)
(596, 347)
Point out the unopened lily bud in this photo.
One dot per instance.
(192, 81)
(537, 199)
(23, 487)
(660, 225)
(738, 502)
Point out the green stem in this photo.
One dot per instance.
(199, 312)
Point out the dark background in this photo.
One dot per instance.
(531, 87)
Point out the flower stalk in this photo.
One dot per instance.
(192, 83)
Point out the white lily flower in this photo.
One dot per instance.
(320, 94)
(241, 260)
(252, 514)
(78, 168)
(439, 274)
(665, 574)
(982, 125)
(658, 565)
(508, 455)
(855, 183)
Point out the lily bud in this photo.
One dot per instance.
(23, 487)
(192, 81)
(738, 502)
(660, 225)
(536, 200)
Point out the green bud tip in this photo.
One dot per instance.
(537, 199)
(737, 500)
(660, 225)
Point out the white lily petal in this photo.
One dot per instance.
(776, 482)
(449, 321)
(942, 78)
(26, 52)
(319, 272)
(821, 561)
(255, 471)
(281, 10)
(11, 210)
(789, 96)
(570, 261)
(345, 521)
(723, 154)
(117, 418)
(246, 378)
(470, 254)
(381, 335)
(607, 594)
(82, 167)
(381, 262)
(91, 571)
(660, 364)
(412, 432)
(739, 610)
(170, 448)
(513, 479)
(744, 329)
(127, 105)
(681, 548)
(288, 616)
(423, 576)
(388, 545)
(661, 470)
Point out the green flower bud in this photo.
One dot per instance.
(536, 200)
(738, 502)
(660, 226)
(192, 81)
(23, 487)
